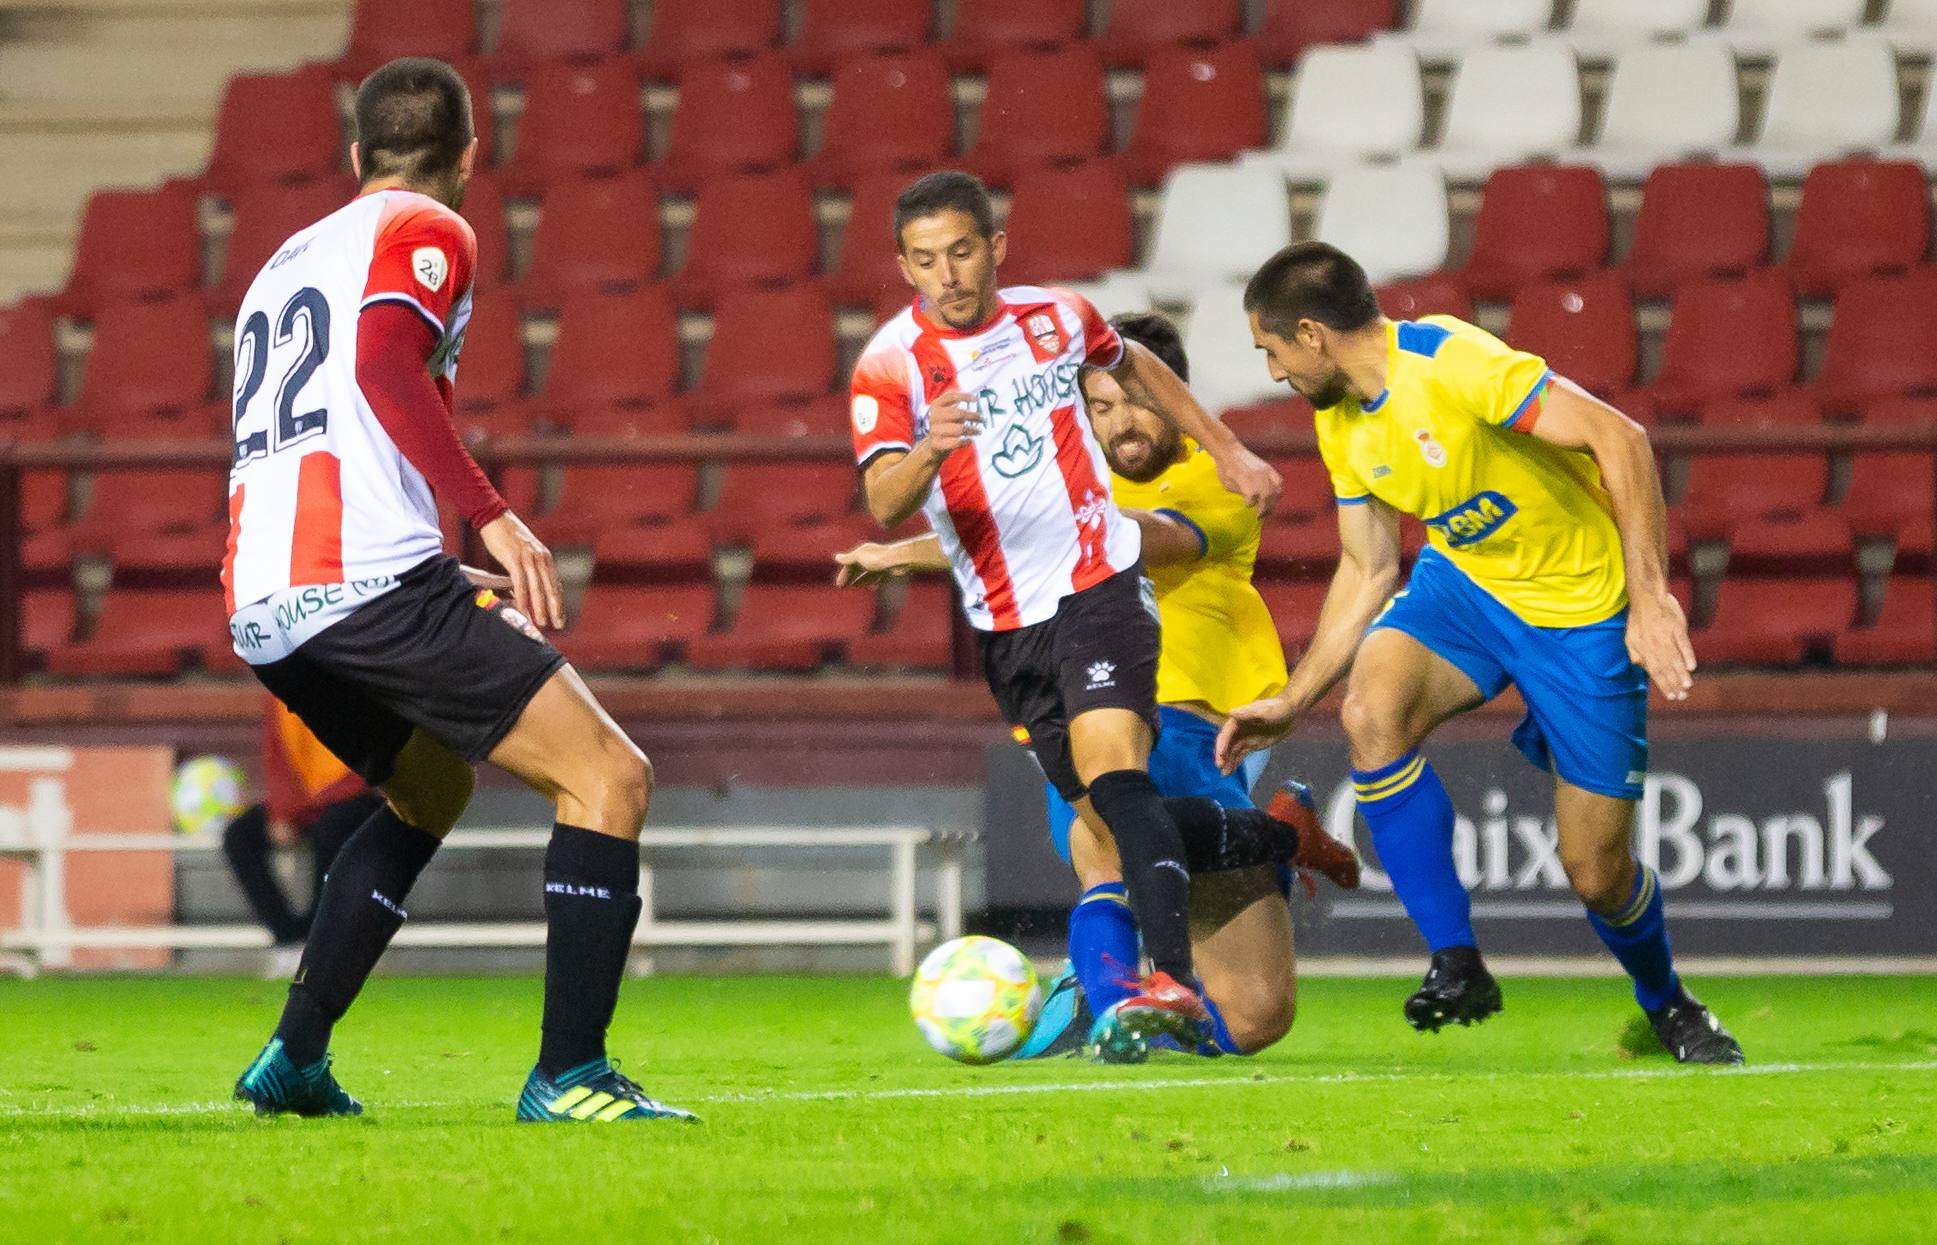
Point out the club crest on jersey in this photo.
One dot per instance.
(1019, 454)
(867, 412)
(430, 266)
(1432, 451)
(1045, 335)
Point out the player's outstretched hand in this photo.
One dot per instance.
(534, 578)
(1658, 643)
(867, 564)
(1251, 727)
(953, 420)
(1251, 478)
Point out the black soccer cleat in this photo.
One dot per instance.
(1691, 1032)
(1457, 990)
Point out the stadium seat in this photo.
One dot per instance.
(155, 520)
(133, 244)
(647, 548)
(263, 219)
(1811, 539)
(1911, 27)
(795, 516)
(1435, 294)
(594, 233)
(31, 377)
(687, 32)
(786, 628)
(1213, 224)
(1728, 338)
(1294, 610)
(834, 32)
(1226, 369)
(1300, 535)
(1761, 28)
(531, 31)
(1510, 105)
(275, 127)
(383, 30)
(866, 273)
(1670, 101)
(485, 210)
(1392, 219)
(1545, 221)
(891, 112)
(755, 229)
(1882, 342)
(149, 361)
(1725, 490)
(491, 370)
(1198, 104)
(1698, 220)
(1040, 108)
(1444, 30)
(735, 116)
(613, 350)
(1904, 630)
(986, 29)
(656, 499)
(1292, 27)
(1583, 327)
(1776, 620)
(1135, 31)
(1348, 104)
(578, 119)
(1069, 224)
(1600, 29)
(1890, 497)
(150, 632)
(1858, 218)
(920, 637)
(1825, 101)
(47, 618)
(623, 627)
(794, 367)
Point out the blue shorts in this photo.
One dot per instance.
(1182, 763)
(1587, 704)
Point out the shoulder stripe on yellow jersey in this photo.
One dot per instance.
(1354, 501)
(1530, 405)
(1203, 541)
(1424, 339)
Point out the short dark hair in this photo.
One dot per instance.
(1155, 333)
(413, 120)
(943, 191)
(1310, 281)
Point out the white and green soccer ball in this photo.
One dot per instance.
(206, 794)
(975, 999)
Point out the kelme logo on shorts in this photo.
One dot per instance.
(1474, 519)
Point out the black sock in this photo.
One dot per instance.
(591, 905)
(1154, 872)
(245, 842)
(1219, 839)
(333, 828)
(359, 911)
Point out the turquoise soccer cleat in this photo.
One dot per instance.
(278, 1087)
(1063, 1025)
(592, 1093)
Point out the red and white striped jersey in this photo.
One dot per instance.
(1023, 511)
(318, 492)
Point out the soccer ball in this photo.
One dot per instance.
(206, 794)
(975, 999)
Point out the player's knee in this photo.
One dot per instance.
(1375, 728)
(1264, 1022)
(1599, 878)
(624, 786)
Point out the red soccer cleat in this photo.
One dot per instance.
(1318, 851)
(1164, 1006)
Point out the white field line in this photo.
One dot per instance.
(1141, 1085)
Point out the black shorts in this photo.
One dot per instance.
(435, 654)
(1098, 652)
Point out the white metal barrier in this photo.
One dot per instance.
(46, 936)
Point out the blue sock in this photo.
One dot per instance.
(1412, 827)
(1638, 937)
(1103, 945)
(1221, 1042)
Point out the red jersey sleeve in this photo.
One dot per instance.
(1102, 346)
(882, 416)
(425, 255)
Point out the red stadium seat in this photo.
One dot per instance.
(1815, 538)
(1040, 108)
(594, 233)
(31, 377)
(689, 31)
(889, 112)
(1535, 222)
(484, 114)
(1198, 105)
(1294, 610)
(1904, 631)
(1728, 337)
(156, 521)
(771, 506)
(1898, 410)
(795, 366)
(491, 369)
(1698, 220)
(46, 621)
(986, 29)
(1069, 224)
(1725, 490)
(755, 229)
(1300, 535)
(866, 273)
(1291, 26)
(593, 497)
(1892, 495)
(275, 127)
(539, 30)
(382, 30)
(1440, 293)
(834, 32)
(921, 636)
(577, 119)
(1785, 408)
(1776, 620)
(484, 209)
(1136, 31)
(735, 116)
(264, 218)
(1882, 341)
(623, 627)
(1584, 329)
(1858, 218)
(149, 361)
(133, 244)
(613, 350)
(150, 632)
(652, 549)
(786, 628)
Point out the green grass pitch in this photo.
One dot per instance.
(827, 1120)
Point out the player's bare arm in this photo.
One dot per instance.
(1657, 627)
(1150, 383)
(1367, 574)
(897, 482)
(1166, 542)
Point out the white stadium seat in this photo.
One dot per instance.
(1911, 27)
(1115, 293)
(1393, 219)
(1826, 100)
(1666, 102)
(1759, 28)
(1444, 30)
(1350, 103)
(1600, 29)
(1226, 369)
(1510, 105)
(1922, 145)
(1217, 222)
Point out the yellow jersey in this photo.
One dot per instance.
(1220, 648)
(1526, 520)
